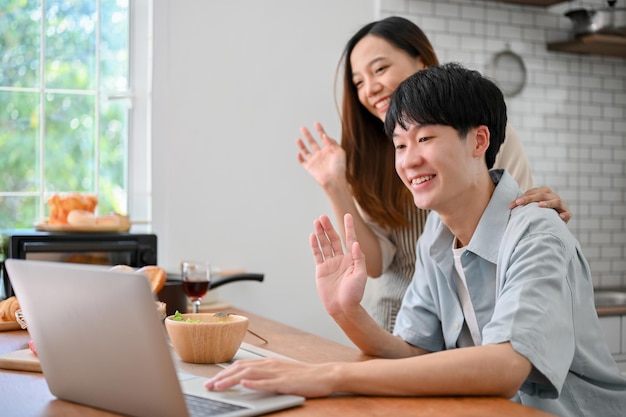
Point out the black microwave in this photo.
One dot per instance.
(132, 249)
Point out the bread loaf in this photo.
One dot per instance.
(114, 220)
(8, 308)
(156, 275)
(81, 218)
(123, 268)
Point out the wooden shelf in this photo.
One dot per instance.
(532, 2)
(596, 44)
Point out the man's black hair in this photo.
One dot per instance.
(450, 95)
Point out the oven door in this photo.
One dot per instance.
(97, 253)
(135, 250)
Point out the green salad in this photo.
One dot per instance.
(179, 317)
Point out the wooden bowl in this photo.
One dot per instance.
(211, 340)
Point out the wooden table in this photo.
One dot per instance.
(25, 394)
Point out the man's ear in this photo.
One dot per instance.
(481, 135)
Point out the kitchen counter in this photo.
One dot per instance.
(611, 311)
(610, 301)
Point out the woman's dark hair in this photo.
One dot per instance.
(369, 155)
(454, 96)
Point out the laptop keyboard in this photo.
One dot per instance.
(202, 407)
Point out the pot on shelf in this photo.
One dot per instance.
(609, 20)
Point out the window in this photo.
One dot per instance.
(74, 105)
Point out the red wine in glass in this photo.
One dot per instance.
(195, 289)
(196, 279)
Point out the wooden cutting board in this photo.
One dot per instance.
(25, 360)
(20, 360)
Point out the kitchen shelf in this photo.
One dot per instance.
(595, 44)
(532, 2)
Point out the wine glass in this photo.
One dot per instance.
(196, 276)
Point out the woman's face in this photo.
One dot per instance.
(378, 68)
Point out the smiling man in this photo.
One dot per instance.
(501, 303)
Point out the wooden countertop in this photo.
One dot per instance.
(26, 394)
(611, 311)
(617, 309)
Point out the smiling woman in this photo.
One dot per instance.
(65, 123)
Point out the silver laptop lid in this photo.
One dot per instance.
(84, 321)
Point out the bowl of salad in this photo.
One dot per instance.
(206, 337)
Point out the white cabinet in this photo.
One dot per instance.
(614, 327)
(623, 334)
(532, 2)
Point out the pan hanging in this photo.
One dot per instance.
(509, 72)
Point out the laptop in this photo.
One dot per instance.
(101, 343)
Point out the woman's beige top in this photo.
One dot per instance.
(513, 158)
(383, 295)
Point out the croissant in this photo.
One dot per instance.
(8, 308)
(156, 275)
(62, 204)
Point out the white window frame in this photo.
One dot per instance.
(139, 96)
(140, 133)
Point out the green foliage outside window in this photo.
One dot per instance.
(59, 129)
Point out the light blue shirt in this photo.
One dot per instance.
(530, 285)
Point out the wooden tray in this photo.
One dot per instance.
(95, 228)
(6, 326)
(20, 360)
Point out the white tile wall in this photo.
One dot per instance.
(571, 115)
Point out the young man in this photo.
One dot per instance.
(501, 302)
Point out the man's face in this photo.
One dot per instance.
(436, 165)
